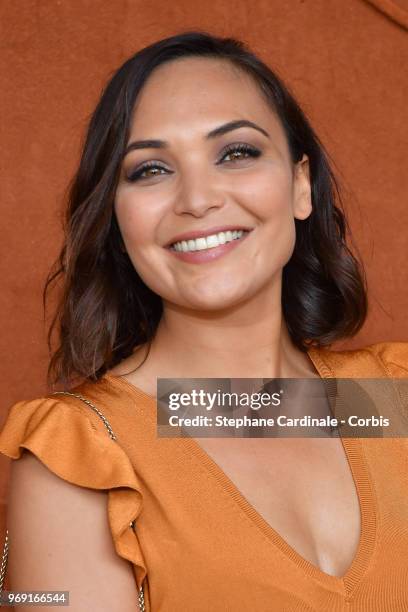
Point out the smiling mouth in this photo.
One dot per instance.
(208, 242)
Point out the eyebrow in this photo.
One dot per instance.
(219, 131)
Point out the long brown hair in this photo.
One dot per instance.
(105, 309)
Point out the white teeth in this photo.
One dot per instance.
(201, 244)
(209, 242)
(212, 241)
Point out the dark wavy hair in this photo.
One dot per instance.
(105, 309)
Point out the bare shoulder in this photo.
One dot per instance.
(56, 530)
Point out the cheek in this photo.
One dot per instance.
(276, 200)
(139, 223)
(138, 220)
(270, 199)
(267, 193)
(134, 226)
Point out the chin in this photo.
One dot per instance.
(213, 302)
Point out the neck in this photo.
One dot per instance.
(248, 341)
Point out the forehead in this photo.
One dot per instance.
(199, 93)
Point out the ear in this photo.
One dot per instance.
(302, 196)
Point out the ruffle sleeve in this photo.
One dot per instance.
(74, 443)
(394, 356)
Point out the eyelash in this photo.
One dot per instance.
(233, 148)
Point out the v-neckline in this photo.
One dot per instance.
(354, 453)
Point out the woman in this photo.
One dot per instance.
(204, 239)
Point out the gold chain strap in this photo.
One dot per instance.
(4, 562)
(113, 437)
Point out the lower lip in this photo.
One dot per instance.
(207, 255)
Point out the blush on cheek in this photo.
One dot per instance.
(279, 200)
(270, 190)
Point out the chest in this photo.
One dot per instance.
(302, 488)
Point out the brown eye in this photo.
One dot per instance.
(151, 169)
(240, 152)
(146, 171)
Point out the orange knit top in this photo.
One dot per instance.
(194, 541)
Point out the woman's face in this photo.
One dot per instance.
(202, 180)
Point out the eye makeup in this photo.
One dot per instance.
(245, 150)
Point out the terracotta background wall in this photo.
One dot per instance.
(345, 60)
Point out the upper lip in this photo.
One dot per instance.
(206, 232)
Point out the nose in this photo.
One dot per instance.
(198, 194)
